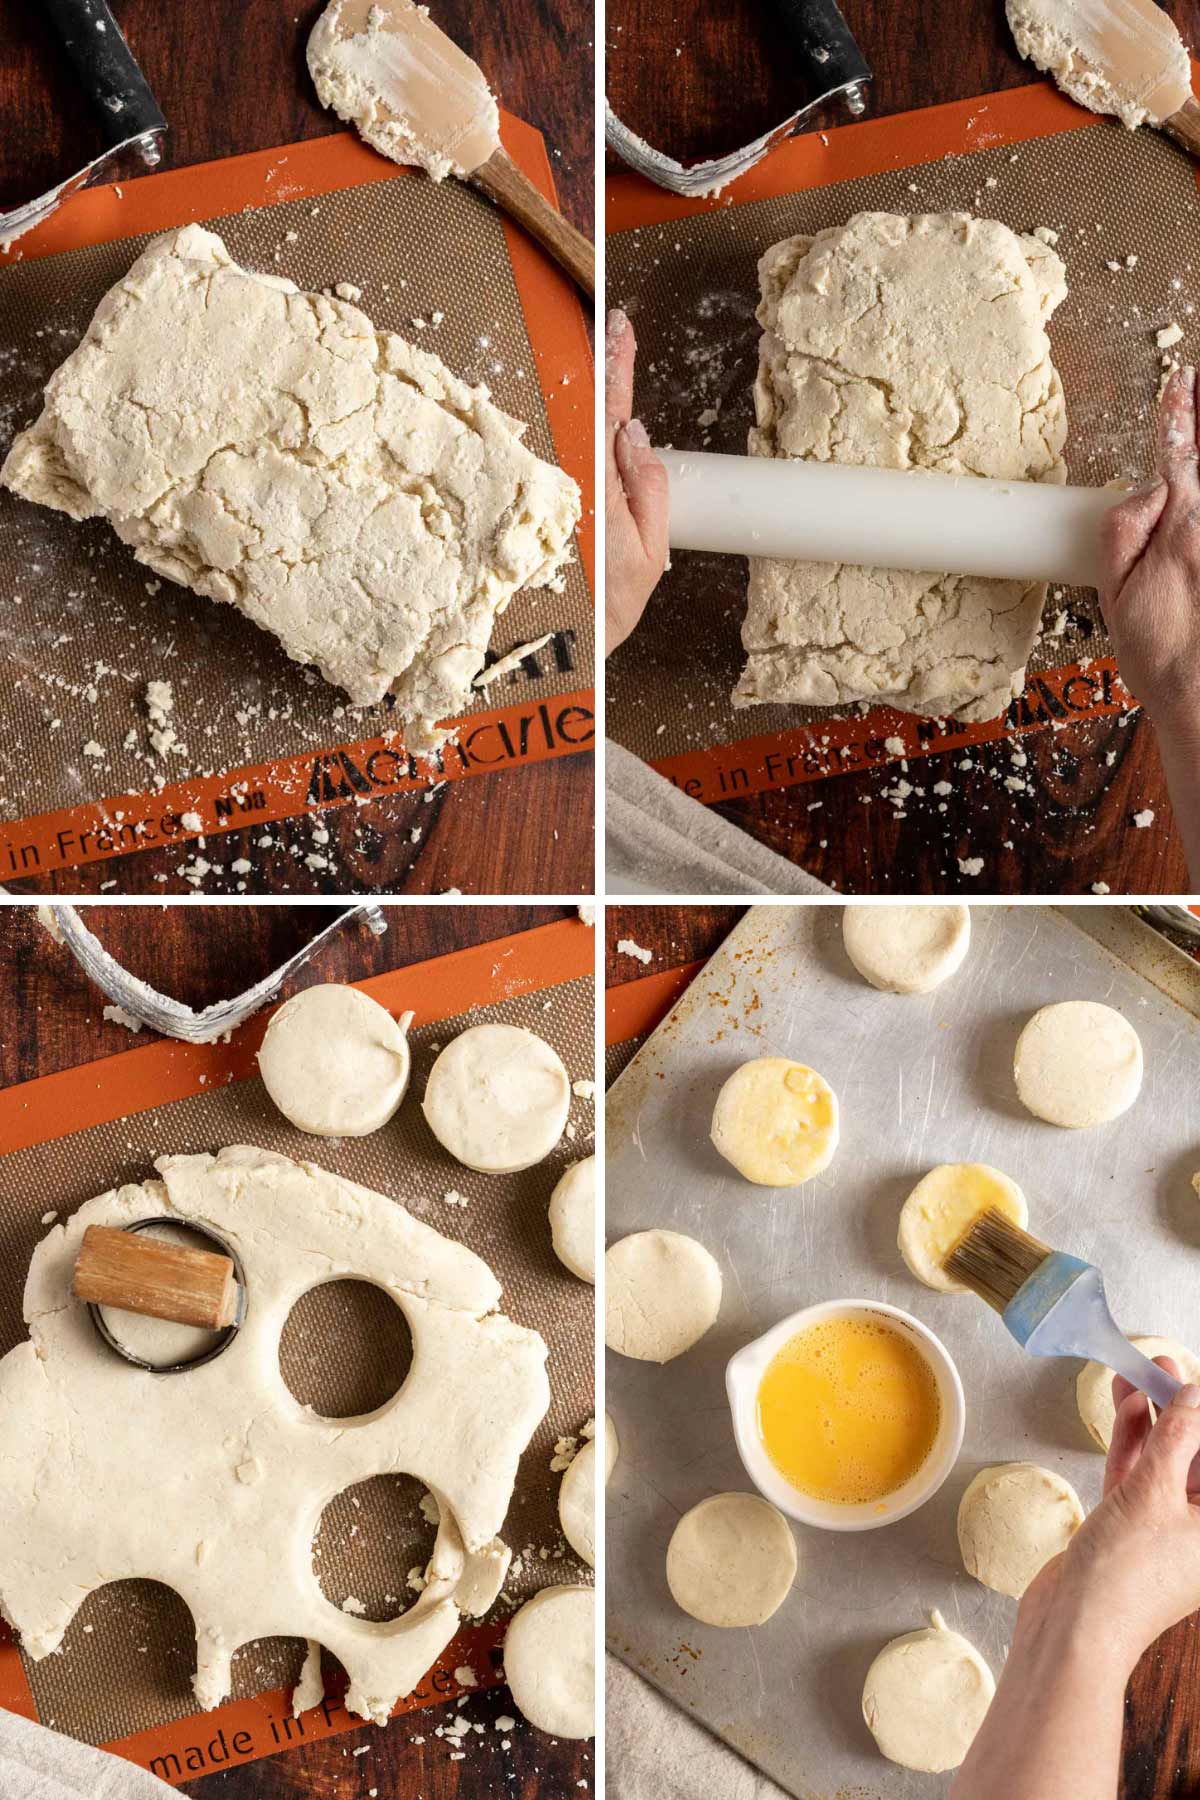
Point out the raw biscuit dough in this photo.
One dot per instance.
(941, 1209)
(662, 1291)
(550, 1661)
(577, 1503)
(612, 1448)
(1093, 1389)
(573, 1218)
(1080, 48)
(925, 1697)
(497, 1098)
(902, 343)
(776, 1121)
(1012, 1519)
(731, 1560)
(906, 949)
(1078, 1063)
(272, 449)
(334, 1061)
(225, 1510)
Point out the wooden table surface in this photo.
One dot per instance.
(1161, 1758)
(230, 76)
(50, 1019)
(701, 83)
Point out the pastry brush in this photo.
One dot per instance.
(1052, 1303)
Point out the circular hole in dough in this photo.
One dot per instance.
(1078, 1063)
(906, 949)
(577, 1503)
(942, 1207)
(550, 1661)
(335, 1062)
(345, 1349)
(925, 1697)
(731, 1560)
(1093, 1389)
(373, 1544)
(612, 1448)
(776, 1121)
(497, 1098)
(1012, 1519)
(662, 1291)
(573, 1218)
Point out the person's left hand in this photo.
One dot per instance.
(635, 493)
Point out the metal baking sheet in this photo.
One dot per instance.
(921, 1080)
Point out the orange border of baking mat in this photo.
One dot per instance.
(841, 746)
(533, 732)
(133, 1081)
(634, 1009)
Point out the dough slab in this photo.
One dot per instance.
(550, 1661)
(1093, 1388)
(906, 949)
(335, 1062)
(662, 1291)
(226, 1509)
(731, 1560)
(497, 1098)
(925, 1697)
(941, 1209)
(902, 342)
(272, 449)
(776, 1121)
(1012, 1519)
(1078, 1064)
(577, 1503)
(573, 1218)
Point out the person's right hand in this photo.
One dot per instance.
(635, 493)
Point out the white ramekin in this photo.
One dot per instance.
(746, 1370)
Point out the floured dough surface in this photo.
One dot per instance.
(225, 1509)
(906, 949)
(776, 1121)
(1124, 57)
(497, 1098)
(550, 1661)
(1093, 1388)
(573, 1218)
(1078, 1063)
(942, 1208)
(662, 1291)
(731, 1560)
(925, 1697)
(270, 448)
(902, 342)
(577, 1503)
(1012, 1519)
(334, 1061)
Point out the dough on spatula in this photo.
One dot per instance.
(662, 1291)
(925, 1697)
(497, 1098)
(1093, 1388)
(1012, 1519)
(941, 1209)
(906, 949)
(550, 1661)
(731, 1560)
(1078, 1063)
(902, 343)
(776, 1121)
(335, 1062)
(577, 1503)
(573, 1218)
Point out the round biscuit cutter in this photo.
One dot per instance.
(121, 1268)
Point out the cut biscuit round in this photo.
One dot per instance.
(577, 1503)
(941, 1210)
(1093, 1388)
(334, 1061)
(1078, 1063)
(925, 1697)
(731, 1560)
(497, 1098)
(906, 949)
(776, 1121)
(1011, 1520)
(573, 1218)
(550, 1661)
(662, 1291)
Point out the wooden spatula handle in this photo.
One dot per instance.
(514, 193)
(141, 1274)
(1184, 127)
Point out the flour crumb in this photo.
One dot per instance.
(1142, 819)
(466, 1677)
(117, 1015)
(352, 1604)
(452, 1197)
(1170, 334)
(970, 865)
(1101, 887)
(584, 1089)
(627, 947)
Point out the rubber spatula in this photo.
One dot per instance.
(1129, 46)
(420, 80)
(131, 125)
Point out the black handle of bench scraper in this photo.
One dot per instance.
(106, 68)
(825, 45)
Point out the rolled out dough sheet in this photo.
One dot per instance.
(902, 342)
(270, 448)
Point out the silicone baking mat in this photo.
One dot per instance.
(685, 271)
(123, 1677)
(86, 627)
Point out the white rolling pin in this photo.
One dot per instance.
(886, 518)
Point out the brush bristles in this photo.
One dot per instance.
(994, 1258)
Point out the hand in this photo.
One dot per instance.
(635, 493)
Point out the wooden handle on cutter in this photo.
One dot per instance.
(1184, 127)
(141, 1274)
(514, 193)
